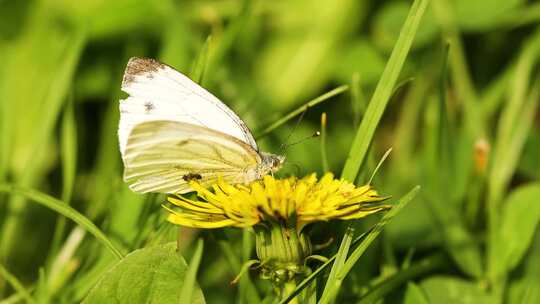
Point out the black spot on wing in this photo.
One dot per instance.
(148, 107)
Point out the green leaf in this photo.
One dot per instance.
(452, 290)
(149, 275)
(414, 295)
(383, 91)
(520, 217)
(526, 289)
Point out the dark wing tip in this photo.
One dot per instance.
(137, 66)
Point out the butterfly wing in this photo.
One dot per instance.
(159, 92)
(163, 156)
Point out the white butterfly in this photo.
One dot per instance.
(172, 131)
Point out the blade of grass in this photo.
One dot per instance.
(461, 76)
(458, 240)
(15, 298)
(379, 164)
(406, 135)
(324, 156)
(56, 95)
(443, 144)
(61, 268)
(391, 283)
(64, 209)
(372, 235)
(16, 284)
(383, 91)
(330, 289)
(186, 295)
(199, 66)
(301, 109)
(5, 131)
(68, 145)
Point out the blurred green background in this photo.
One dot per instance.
(60, 75)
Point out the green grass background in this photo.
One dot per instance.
(470, 81)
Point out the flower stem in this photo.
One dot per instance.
(289, 288)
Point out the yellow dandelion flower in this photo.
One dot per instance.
(278, 210)
(304, 200)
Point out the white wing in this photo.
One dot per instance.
(162, 156)
(159, 92)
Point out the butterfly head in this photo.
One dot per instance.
(271, 162)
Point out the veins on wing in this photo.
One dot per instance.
(227, 111)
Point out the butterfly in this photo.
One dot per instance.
(172, 131)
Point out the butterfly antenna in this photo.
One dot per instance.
(285, 145)
(315, 134)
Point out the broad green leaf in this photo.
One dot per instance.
(526, 289)
(453, 290)
(520, 218)
(149, 275)
(414, 295)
